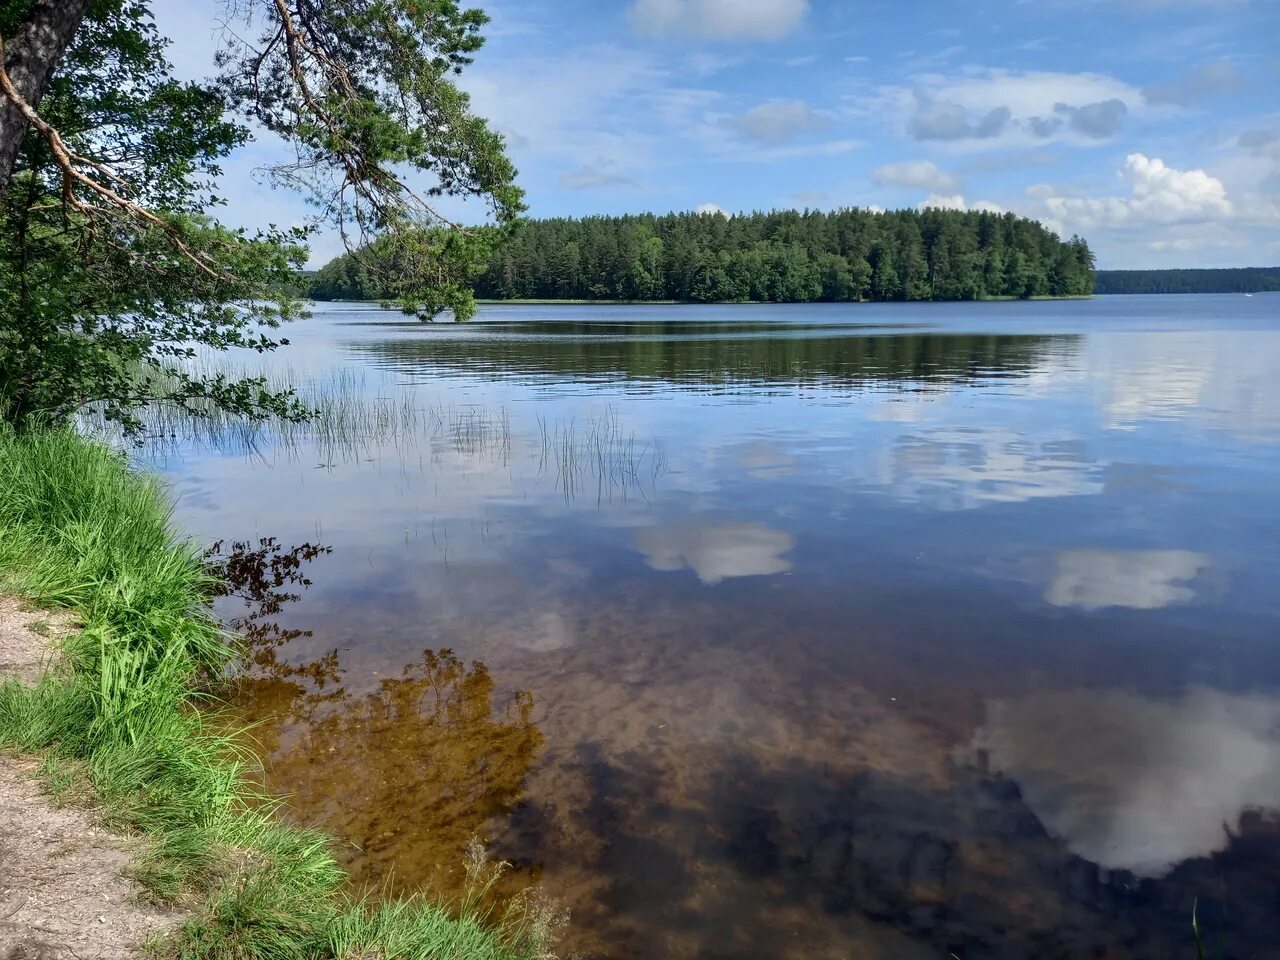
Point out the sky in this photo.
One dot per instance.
(1150, 127)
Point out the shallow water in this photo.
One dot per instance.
(876, 631)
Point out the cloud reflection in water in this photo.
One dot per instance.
(717, 553)
(1138, 579)
(1135, 783)
(956, 469)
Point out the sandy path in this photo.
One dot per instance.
(62, 896)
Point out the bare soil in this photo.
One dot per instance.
(62, 895)
(26, 639)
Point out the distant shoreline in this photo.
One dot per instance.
(753, 303)
(535, 302)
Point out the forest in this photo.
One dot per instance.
(777, 257)
(1240, 280)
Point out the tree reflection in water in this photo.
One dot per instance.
(265, 577)
(406, 773)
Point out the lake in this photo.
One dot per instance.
(894, 630)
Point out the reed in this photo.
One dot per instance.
(356, 419)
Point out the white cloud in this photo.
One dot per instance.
(923, 174)
(778, 121)
(1097, 121)
(710, 208)
(1158, 193)
(1167, 216)
(1031, 93)
(719, 19)
(1133, 783)
(992, 107)
(956, 201)
(947, 120)
(717, 553)
(1137, 579)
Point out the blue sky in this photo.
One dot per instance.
(1151, 127)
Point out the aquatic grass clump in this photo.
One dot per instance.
(349, 419)
(117, 721)
(598, 450)
(354, 420)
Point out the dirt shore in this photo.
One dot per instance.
(62, 893)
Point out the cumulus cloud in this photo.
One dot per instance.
(1158, 193)
(717, 553)
(1095, 120)
(1133, 783)
(992, 123)
(778, 121)
(1009, 106)
(719, 19)
(1044, 126)
(1033, 92)
(710, 208)
(922, 174)
(1137, 579)
(938, 120)
(947, 120)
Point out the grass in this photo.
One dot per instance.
(118, 723)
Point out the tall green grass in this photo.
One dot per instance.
(81, 531)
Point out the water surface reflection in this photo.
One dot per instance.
(938, 632)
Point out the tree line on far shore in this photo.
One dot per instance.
(780, 257)
(1238, 280)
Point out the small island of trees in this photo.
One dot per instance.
(777, 257)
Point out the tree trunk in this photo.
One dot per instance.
(30, 57)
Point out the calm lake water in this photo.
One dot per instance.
(818, 631)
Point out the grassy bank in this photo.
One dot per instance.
(117, 722)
